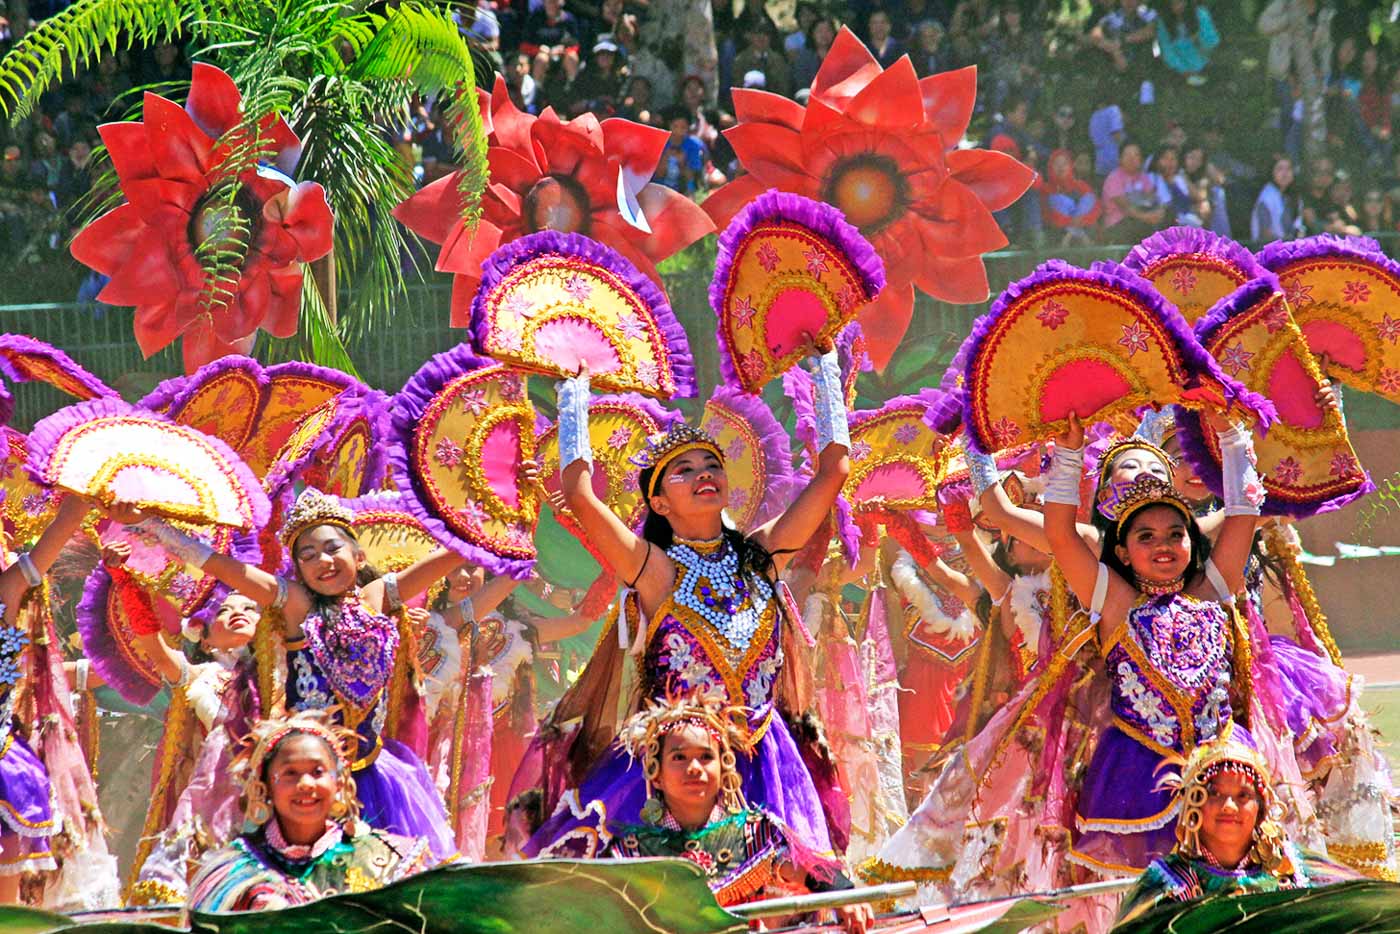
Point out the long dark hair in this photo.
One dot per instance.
(753, 557)
(1112, 538)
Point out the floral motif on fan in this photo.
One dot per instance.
(109, 450)
(1345, 295)
(462, 427)
(618, 427)
(224, 399)
(293, 391)
(27, 507)
(757, 455)
(1193, 268)
(552, 303)
(108, 640)
(789, 268)
(1306, 460)
(24, 359)
(895, 456)
(1098, 342)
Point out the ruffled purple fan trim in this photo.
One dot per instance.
(50, 430)
(1178, 240)
(499, 264)
(1243, 298)
(1281, 253)
(351, 404)
(778, 488)
(666, 418)
(946, 411)
(848, 342)
(406, 412)
(1198, 362)
(822, 219)
(7, 404)
(22, 343)
(100, 645)
(202, 376)
(847, 532)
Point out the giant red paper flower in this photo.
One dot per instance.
(881, 145)
(171, 166)
(577, 176)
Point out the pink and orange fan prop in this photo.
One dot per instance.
(1341, 291)
(618, 427)
(390, 534)
(551, 303)
(24, 359)
(110, 450)
(1193, 268)
(757, 456)
(462, 427)
(897, 460)
(1306, 461)
(790, 271)
(26, 507)
(1098, 342)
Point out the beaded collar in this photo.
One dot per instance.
(300, 852)
(711, 586)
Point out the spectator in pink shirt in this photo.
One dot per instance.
(1131, 207)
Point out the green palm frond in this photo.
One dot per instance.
(74, 38)
(423, 44)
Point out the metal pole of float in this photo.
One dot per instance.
(799, 903)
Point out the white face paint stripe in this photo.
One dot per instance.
(677, 478)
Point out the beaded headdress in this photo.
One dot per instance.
(1233, 752)
(643, 734)
(1118, 447)
(313, 508)
(261, 745)
(1126, 500)
(661, 449)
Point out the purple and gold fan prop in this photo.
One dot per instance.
(24, 359)
(618, 428)
(1099, 342)
(26, 507)
(1341, 291)
(552, 303)
(897, 460)
(1306, 460)
(757, 456)
(337, 447)
(1193, 268)
(790, 271)
(462, 428)
(110, 450)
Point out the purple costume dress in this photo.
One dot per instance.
(347, 657)
(719, 631)
(27, 820)
(1170, 667)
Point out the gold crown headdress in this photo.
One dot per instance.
(1231, 752)
(313, 508)
(1124, 500)
(661, 449)
(643, 734)
(1118, 447)
(261, 745)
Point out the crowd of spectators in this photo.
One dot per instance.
(1136, 116)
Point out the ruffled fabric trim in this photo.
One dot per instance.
(100, 643)
(778, 481)
(1175, 241)
(905, 576)
(21, 345)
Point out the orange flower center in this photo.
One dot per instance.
(556, 202)
(868, 189)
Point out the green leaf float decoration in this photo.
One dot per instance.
(1363, 905)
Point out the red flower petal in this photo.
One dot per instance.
(431, 211)
(214, 103)
(754, 106)
(846, 70)
(178, 148)
(463, 291)
(502, 206)
(307, 218)
(107, 242)
(994, 177)
(251, 303)
(637, 147)
(948, 101)
(891, 101)
(201, 345)
(517, 171)
(464, 251)
(147, 276)
(131, 153)
(286, 145)
(961, 281)
(729, 199)
(957, 223)
(285, 283)
(510, 127)
(157, 325)
(885, 321)
(676, 222)
(165, 202)
(771, 152)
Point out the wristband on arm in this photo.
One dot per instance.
(1243, 493)
(830, 402)
(1062, 480)
(574, 443)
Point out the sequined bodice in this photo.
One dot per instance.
(718, 631)
(1171, 672)
(346, 658)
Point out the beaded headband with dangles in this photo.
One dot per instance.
(644, 733)
(314, 508)
(261, 745)
(662, 449)
(1118, 447)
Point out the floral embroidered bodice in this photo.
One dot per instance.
(346, 657)
(1171, 669)
(718, 631)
